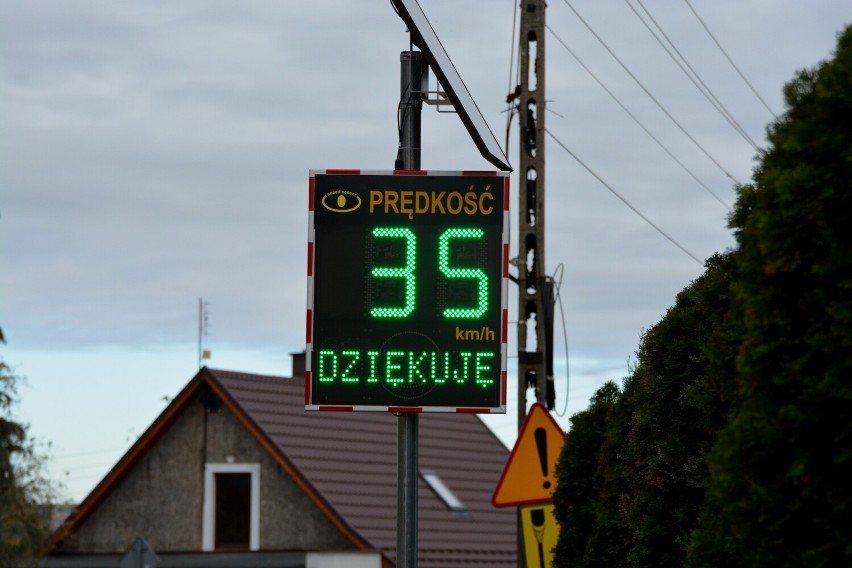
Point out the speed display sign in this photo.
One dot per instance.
(407, 289)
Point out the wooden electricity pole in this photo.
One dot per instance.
(532, 354)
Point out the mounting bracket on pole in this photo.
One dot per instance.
(438, 101)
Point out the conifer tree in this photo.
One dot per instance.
(780, 492)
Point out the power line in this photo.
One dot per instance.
(623, 200)
(651, 96)
(88, 453)
(731, 61)
(99, 465)
(691, 74)
(639, 122)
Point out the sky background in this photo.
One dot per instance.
(155, 153)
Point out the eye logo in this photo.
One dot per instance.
(341, 201)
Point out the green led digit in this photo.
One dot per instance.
(405, 272)
(346, 377)
(327, 364)
(462, 273)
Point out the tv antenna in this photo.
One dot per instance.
(203, 323)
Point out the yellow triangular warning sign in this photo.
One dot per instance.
(529, 475)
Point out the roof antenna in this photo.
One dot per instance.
(203, 352)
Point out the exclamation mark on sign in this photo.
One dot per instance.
(541, 444)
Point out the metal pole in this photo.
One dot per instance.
(412, 69)
(200, 311)
(406, 507)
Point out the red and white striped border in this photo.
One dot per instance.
(504, 335)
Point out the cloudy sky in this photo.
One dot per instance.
(154, 153)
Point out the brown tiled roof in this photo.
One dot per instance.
(349, 460)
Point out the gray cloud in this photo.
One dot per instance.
(155, 152)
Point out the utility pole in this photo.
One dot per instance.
(532, 355)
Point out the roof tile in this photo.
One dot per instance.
(350, 459)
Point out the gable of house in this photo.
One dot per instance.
(162, 496)
(327, 481)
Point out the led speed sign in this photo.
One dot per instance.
(407, 284)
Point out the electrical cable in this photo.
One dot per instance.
(639, 122)
(704, 88)
(99, 465)
(512, 107)
(731, 61)
(651, 96)
(623, 200)
(557, 285)
(509, 99)
(691, 74)
(89, 453)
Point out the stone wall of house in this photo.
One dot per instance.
(288, 518)
(161, 498)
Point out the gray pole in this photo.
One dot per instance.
(406, 503)
(413, 68)
(532, 358)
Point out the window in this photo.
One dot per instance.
(231, 507)
(441, 490)
(233, 511)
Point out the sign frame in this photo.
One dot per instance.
(430, 203)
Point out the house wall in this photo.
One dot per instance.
(161, 497)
